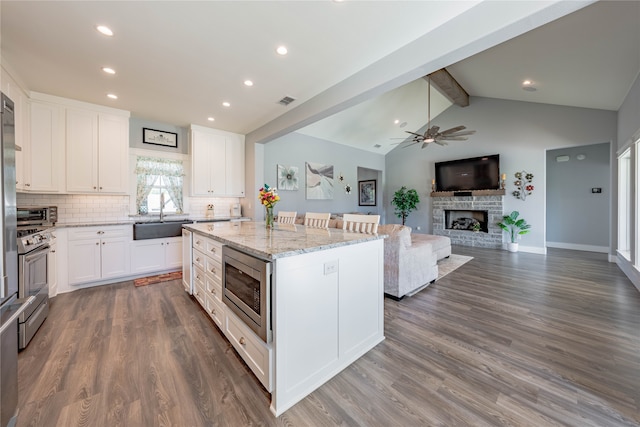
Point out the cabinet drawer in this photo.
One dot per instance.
(216, 310)
(199, 278)
(214, 288)
(213, 268)
(214, 250)
(199, 289)
(199, 260)
(199, 242)
(81, 233)
(255, 353)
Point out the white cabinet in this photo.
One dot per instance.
(43, 158)
(21, 122)
(207, 277)
(217, 162)
(52, 265)
(186, 261)
(156, 255)
(97, 253)
(97, 151)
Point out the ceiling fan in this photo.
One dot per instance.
(433, 133)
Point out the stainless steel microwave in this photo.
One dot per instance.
(247, 290)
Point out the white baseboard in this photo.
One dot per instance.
(532, 249)
(577, 247)
(627, 268)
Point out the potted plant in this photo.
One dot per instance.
(405, 201)
(515, 227)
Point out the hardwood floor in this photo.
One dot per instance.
(507, 339)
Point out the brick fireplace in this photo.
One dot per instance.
(454, 216)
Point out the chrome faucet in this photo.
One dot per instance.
(161, 207)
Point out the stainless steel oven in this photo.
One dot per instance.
(247, 290)
(34, 237)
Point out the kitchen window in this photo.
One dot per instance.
(156, 176)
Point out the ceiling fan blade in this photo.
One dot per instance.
(453, 130)
(467, 132)
(440, 142)
(425, 144)
(413, 133)
(453, 138)
(433, 131)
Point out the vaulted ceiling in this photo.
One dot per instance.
(353, 67)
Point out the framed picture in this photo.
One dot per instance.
(367, 193)
(159, 137)
(319, 181)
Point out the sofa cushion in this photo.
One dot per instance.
(441, 244)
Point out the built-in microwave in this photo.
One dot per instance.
(247, 290)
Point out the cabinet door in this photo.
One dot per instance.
(82, 150)
(200, 175)
(148, 255)
(84, 261)
(115, 257)
(235, 165)
(173, 252)
(218, 165)
(46, 155)
(113, 152)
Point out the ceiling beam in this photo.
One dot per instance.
(449, 87)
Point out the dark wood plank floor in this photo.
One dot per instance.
(505, 340)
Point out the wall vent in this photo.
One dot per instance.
(286, 100)
(377, 146)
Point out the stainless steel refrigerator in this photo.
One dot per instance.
(10, 306)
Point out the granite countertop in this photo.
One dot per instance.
(282, 241)
(155, 218)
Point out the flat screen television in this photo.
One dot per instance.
(477, 173)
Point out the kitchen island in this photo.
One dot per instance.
(327, 301)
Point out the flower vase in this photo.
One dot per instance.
(269, 218)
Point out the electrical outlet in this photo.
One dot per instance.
(418, 228)
(330, 267)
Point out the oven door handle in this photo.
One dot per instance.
(38, 253)
(11, 322)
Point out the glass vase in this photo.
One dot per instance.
(268, 220)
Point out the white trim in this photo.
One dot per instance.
(629, 270)
(612, 258)
(578, 247)
(528, 249)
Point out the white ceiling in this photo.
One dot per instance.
(177, 61)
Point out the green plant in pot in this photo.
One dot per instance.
(515, 227)
(405, 202)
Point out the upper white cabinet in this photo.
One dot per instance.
(97, 151)
(217, 162)
(21, 118)
(43, 158)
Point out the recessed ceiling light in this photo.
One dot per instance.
(396, 121)
(248, 83)
(282, 50)
(527, 82)
(112, 96)
(210, 119)
(226, 104)
(108, 70)
(104, 30)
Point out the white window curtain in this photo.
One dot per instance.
(149, 170)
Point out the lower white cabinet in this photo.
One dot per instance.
(156, 255)
(98, 253)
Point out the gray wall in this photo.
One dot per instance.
(296, 149)
(575, 215)
(520, 132)
(135, 135)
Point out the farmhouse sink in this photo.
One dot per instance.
(158, 230)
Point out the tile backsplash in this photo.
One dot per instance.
(75, 208)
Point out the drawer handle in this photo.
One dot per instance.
(213, 291)
(213, 311)
(213, 250)
(242, 341)
(198, 259)
(197, 242)
(213, 270)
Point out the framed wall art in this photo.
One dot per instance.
(367, 193)
(159, 137)
(319, 181)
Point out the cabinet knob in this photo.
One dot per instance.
(101, 188)
(242, 341)
(27, 185)
(162, 244)
(97, 243)
(53, 251)
(94, 187)
(103, 243)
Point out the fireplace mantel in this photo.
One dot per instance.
(468, 193)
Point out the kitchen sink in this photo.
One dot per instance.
(158, 230)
